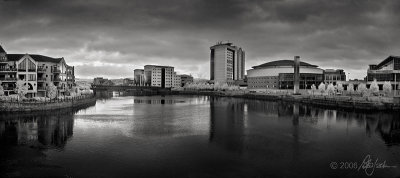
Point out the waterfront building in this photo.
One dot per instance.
(102, 81)
(333, 76)
(37, 71)
(139, 79)
(280, 75)
(387, 70)
(186, 79)
(159, 76)
(127, 81)
(227, 63)
(177, 81)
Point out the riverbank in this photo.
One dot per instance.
(345, 102)
(21, 106)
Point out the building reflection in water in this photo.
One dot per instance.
(228, 121)
(45, 129)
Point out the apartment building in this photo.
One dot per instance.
(37, 71)
(159, 76)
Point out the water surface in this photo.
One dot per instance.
(182, 136)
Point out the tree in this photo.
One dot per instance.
(313, 88)
(362, 89)
(330, 89)
(321, 87)
(387, 88)
(21, 89)
(51, 90)
(340, 88)
(374, 88)
(350, 88)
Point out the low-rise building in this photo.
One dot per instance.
(127, 81)
(186, 79)
(280, 75)
(102, 81)
(387, 70)
(37, 71)
(333, 76)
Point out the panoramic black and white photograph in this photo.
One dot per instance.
(200, 88)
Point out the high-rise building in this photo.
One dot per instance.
(37, 71)
(227, 63)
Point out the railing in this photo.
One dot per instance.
(41, 70)
(55, 70)
(70, 80)
(41, 79)
(57, 80)
(41, 88)
(8, 88)
(8, 70)
(10, 79)
(21, 70)
(31, 70)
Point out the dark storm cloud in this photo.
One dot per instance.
(121, 35)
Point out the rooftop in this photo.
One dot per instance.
(385, 61)
(36, 57)
(2, 50)
(282, 63)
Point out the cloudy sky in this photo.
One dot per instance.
(111, 38)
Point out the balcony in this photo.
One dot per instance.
(70, 80)
(10, 79)
(41, 70)
(57, 80)
(8, 88)
(55, 71)
(41, 79)
(31, 70)
(41, 88)
(8, 70)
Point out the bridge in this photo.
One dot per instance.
(128, 88)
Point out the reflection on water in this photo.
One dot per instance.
(180, 136)
(52, 129)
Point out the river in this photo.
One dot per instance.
(199, 136)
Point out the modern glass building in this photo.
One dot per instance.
(387, 70)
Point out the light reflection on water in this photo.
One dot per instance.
(176, 136)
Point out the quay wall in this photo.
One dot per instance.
(345, 102)
(7, 106)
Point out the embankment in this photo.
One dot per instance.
(15, 106)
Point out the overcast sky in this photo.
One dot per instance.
(111, 38)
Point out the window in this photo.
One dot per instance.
(31, 66)
(22, 65)
(32, 77)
